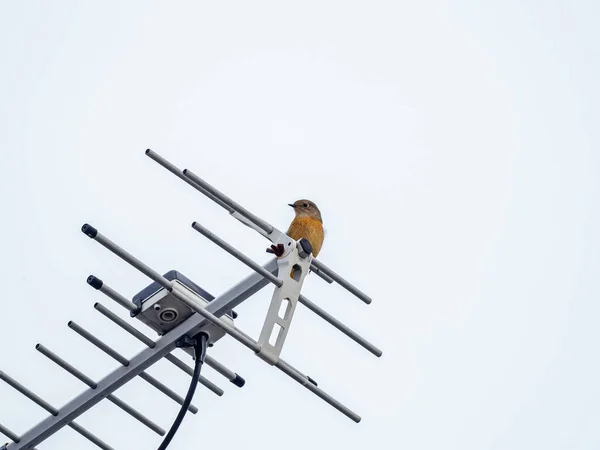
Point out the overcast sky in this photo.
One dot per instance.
(452, 147)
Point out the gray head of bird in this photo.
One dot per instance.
(306, 208)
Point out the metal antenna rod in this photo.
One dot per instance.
(110, 293)
(120, 376)
(236, 206)
(154, 382)
(233, 377)
(92, 384)
(86, 434)
(320, 268)
(237, 254)
(124, 361)
(340, 326)
(321, 274)
(9, 434)
(207, 315)
(155, 276)
(205, 312)
(51, 409)
(98, 284)
(280, 364)
(27, 393)
(179, 173)
(12, 436)
(211, 362)
(277, 282)
(341, 281)
(123, 324)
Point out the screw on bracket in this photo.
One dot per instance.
(304, 248)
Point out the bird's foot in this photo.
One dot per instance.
(277, 250)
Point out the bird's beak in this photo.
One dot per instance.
(290, 204)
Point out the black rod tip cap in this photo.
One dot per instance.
(94, 282)
(238, 381)
(89, 230)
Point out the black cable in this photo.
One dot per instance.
(200, 353)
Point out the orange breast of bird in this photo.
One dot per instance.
(309, 228)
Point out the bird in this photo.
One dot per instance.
(307, 223)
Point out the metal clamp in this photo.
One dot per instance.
(292, 270)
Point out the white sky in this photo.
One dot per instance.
(451, 146)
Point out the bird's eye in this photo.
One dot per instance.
(305, 205)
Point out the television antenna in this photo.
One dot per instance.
(180, 311)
